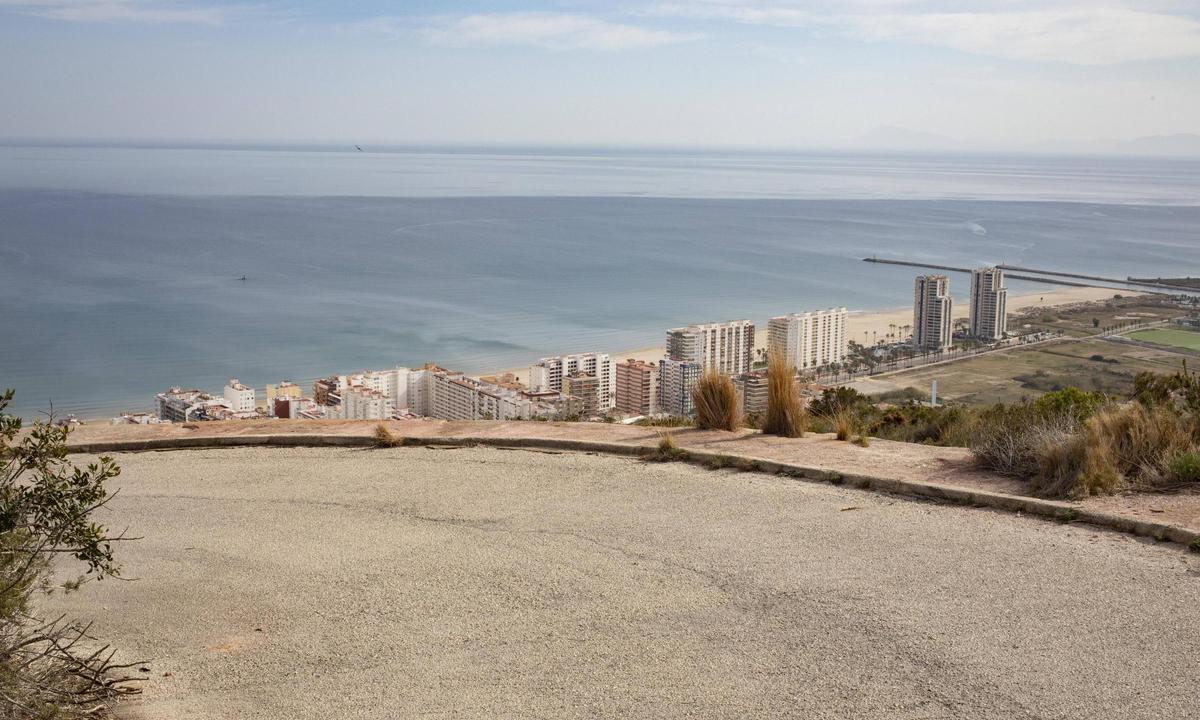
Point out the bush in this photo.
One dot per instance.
(47, 508)
(1181, 388)
(1125, 447)
(949, 425)
(786, 414)
(902, 395)
(835, 400)
(1185, 467)
(1071, 402)
(1010, 438)
(665, 421)
(716, 403)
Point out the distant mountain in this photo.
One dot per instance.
(887, 137)
(1178, 144)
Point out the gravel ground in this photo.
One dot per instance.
(330, 583)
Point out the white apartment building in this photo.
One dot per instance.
(362, 403)
(239, 397)
(392, 382)
(179, 405)
(989, 304)
(811, 339)
(548, 374)
(726, 347)
(456, 397)
(933, 320)
(676, 379)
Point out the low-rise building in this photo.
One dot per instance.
(288, 407)
(239, 397)
(285, 389)
(139, 418)
(179, 405)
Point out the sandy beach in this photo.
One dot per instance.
(873, 325)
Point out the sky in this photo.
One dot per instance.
(972, 74)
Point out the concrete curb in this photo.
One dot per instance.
(1020, 504)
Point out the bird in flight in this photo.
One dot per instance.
(358, 148)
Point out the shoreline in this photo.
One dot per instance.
(880, 322)
(857, 323)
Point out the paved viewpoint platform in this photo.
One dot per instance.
(479, 582)
(947, 473)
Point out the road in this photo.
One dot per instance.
(482, 583)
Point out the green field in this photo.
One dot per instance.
(1187, 339)
(1088, 363)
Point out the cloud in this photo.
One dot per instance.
(1091, 36)
(555, 31)
(1080, 34)
(117, 11)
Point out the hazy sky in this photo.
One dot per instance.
(987, 73)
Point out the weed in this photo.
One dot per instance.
(667, 450)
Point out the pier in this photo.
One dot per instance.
(1054, 277)
(1029, 278)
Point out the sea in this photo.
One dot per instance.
(125, 270)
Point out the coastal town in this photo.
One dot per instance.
(597, 386)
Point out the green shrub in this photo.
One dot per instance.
(665, 421)
(1070, 401)
(1185, 467)
(902, 395)
(1151, 389)
(838, 399)
(47, 520)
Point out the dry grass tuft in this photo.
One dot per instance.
(385, 439)
(1121, 447)
(786, 413)
(845, 424)
(716, 403)
(667, 450)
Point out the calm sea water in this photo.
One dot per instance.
(120, 267)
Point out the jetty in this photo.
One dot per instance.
(1054, 277)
